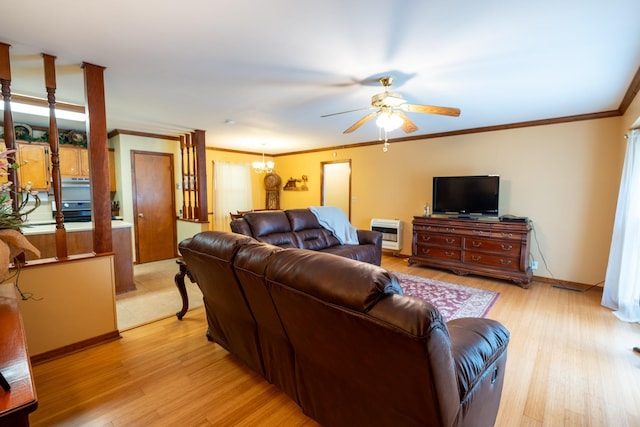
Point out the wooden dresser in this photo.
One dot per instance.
(485, 247)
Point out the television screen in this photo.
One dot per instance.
(466, 195)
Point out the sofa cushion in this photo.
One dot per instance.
(317, 273)
(265, 223)
(209, 256)
(271, 227)
(250, 264)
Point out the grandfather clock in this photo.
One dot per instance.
(272, 186)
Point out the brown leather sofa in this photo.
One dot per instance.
(299, 228)
(337, 336)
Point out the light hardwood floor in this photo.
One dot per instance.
(570, 363)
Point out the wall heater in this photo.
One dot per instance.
(391, 230)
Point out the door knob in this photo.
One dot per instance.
(140, 215)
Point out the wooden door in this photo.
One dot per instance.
(153, 205)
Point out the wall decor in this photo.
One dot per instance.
(292, 184)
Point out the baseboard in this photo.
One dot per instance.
(73, 348)
(394, 254)
(564, 283)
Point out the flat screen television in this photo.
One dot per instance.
(466, 196)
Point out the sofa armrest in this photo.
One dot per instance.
(370, 237)
(476, 344)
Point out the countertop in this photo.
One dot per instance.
(31, 229)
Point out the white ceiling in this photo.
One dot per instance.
(274, 67)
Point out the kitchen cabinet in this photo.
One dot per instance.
(35, 164)
(74, 162)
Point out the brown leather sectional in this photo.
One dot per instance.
(337, 337)
(299, 228)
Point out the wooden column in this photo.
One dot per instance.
(189, 180)
(196, 180)
(50, 84)
(201, 167)
(184, 181)
(98, 156)
(9, 131)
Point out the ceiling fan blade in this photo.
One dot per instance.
(407, 125)
(348, 111)
(360, 122)
(431, 109)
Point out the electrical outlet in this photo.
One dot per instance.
(534, 265)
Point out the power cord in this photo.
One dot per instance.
(16, 277)
(546, 266)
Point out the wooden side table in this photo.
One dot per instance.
(19, 400)
(179, 280)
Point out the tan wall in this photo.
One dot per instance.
(564, 177)
(72, 302)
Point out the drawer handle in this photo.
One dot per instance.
(505, 262)
(449, 230)
(507, 234)
(426, 251)
(475, 258)
(506, 247)
(426, 238)
(476, 244)
(479, 232)
(450, 240)
(449, 254)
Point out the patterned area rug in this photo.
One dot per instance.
(453, 301)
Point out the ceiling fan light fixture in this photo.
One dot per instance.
(387, 99)
(389, 121)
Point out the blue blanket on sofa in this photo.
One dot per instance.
(333, 218)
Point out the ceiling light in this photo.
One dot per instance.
(389, 121)
(40, 107)
(263, 167)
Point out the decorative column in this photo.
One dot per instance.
(50, 83)
(201, 167)
(98, 157)
(9, 131)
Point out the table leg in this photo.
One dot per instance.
(179, 279)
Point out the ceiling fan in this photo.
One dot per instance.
(390, 110)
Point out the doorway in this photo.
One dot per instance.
(153, 205)
(336, 185)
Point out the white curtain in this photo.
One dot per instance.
(622, 281)
(231, 191)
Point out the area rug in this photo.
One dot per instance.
(453, 301)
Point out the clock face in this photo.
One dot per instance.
(272, 181)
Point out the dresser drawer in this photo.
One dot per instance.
(503, 262)
(436, 252)
(501, 247)
(439, 240)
